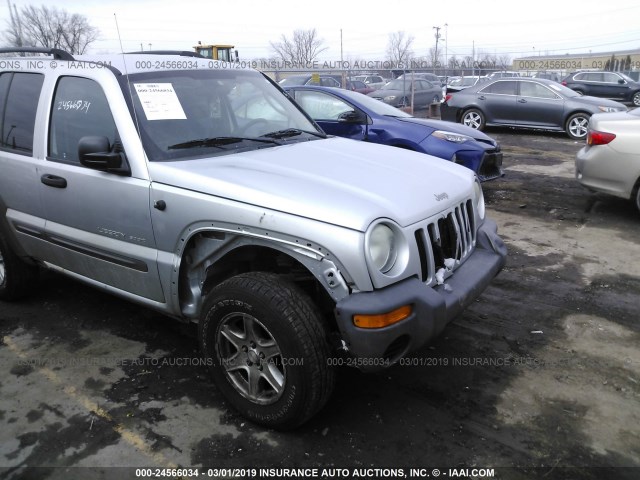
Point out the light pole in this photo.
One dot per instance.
(446, 40)
(435, 60)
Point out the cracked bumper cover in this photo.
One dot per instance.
(433, 307)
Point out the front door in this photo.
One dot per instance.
(98, 224)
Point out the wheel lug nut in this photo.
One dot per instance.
(261, 355)
(244, 348)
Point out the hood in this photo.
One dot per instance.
(449, 127)
(597, 101)
(339, 181)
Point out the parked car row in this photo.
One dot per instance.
(401, 91)
(526, 102)
(326, 81)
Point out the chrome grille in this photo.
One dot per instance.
(450, 236)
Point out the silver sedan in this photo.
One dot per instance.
(610, 161)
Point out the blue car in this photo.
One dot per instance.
(352, 115)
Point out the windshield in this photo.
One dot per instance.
(464, 82)
(566, 91)
(194, 113)
(626, 77)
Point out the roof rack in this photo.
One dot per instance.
(182, 53)
(56, 52)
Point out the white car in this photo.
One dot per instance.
(610, 161)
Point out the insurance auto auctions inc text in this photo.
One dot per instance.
(375, 473)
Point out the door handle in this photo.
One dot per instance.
(481, 97)
(522, 100)
(53, 181)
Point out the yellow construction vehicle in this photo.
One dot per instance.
(226, 53)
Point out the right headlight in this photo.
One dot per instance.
(479, 199)
(381, 247)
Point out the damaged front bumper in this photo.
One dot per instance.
(431, 307)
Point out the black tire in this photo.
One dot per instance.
(405, 102)
(269, 349)
(577, 126)
(635, 99)
(473, 118)
(16, 277)
(635, 195)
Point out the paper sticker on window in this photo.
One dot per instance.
(159, 101)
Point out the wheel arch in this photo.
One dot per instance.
(570, 114)
(210, 257)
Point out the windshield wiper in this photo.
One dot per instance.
(219, 142)
(291, 132)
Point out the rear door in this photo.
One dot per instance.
(98, 223)
(498, 101)
(20, 203)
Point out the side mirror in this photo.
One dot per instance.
(95, 152)
(351, 117)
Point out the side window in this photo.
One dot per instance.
(530, 89)
(22, 93)
(501, 87)
(79, 109)
(611, 77)
(321, 106)
(593, 77)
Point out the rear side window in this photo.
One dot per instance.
(501, 87)
(79, 109)
(19, 96)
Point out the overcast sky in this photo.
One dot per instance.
(511, 27)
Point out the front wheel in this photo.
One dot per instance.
(636, 195)
(268, 349)
(636, 99)
(473, 118)
(577, 126)
(16, 277)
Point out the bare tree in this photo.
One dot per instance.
(399, 48)
(504, 61)
(50, 27)
(434, 57)
(14, 32)
(303, 48)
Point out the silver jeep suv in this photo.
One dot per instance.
(203, 191)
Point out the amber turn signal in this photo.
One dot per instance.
(383, 319)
